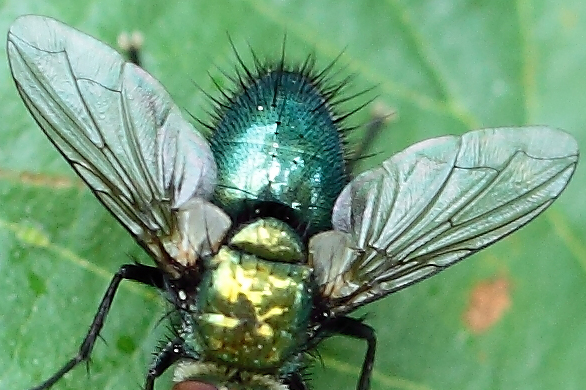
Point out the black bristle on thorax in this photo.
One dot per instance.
(279, 138)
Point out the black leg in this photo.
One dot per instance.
(169, 355)
(380, 118)
(296, 382)
(356, 328)
(137, 272)
(130, 44)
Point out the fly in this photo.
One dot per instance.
(262, 240)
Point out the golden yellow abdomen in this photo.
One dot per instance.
(252, 313)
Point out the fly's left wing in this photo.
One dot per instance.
(434, 204)
(123, 135)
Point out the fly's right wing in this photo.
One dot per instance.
(121, 132)
(434, 204)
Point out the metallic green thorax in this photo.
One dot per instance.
(279, 142)
(252, 313)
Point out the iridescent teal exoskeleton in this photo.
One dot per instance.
(263, 242)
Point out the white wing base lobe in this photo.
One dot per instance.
(121, 132)
(434, 204)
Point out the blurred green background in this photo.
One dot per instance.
(445, 67)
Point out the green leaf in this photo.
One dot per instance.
(444, 67)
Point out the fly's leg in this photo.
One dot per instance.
(168, 356)
(296, 382)
(131, 45)
(137, 272)
(352, 327)
(380, 118)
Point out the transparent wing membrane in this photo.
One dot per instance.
(434, 204)
(118, 128)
